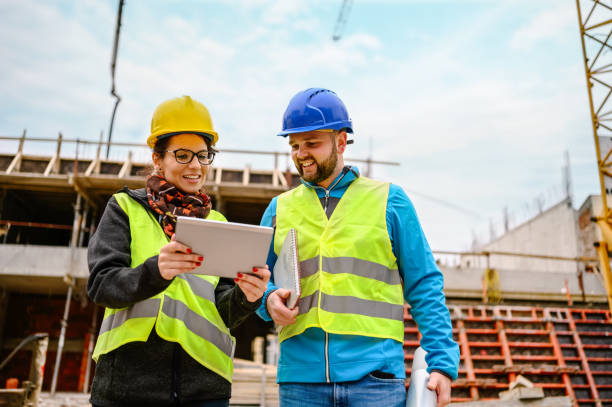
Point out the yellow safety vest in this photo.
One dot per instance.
(185, 312)
(348, 272)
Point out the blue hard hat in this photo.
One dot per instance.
(315, 109)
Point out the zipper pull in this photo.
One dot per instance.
(326, 200)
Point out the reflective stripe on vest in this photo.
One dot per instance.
(349, 277)
(185, 312)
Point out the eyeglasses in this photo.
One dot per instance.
(184, 156)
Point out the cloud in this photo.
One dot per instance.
(471, 119)
(283, 12)
(545, 26)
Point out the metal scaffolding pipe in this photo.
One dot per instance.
(83, 224)
(35, 224)
(60, 343)
(76, 225)
(90, 347)
(64, 322)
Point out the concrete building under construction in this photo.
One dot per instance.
(552, 326)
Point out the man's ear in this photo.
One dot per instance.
(341, 141)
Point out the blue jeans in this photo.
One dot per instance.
(367, 392)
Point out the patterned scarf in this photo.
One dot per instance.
(169, 202)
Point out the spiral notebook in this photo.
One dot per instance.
(287, 269)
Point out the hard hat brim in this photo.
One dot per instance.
(331, 126)
(211, 136)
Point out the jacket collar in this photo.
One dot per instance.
(139, 195)
(349, 174)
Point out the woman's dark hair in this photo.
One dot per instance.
(162, 145)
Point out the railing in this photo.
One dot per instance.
(81, 146)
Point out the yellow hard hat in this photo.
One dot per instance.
(181, 115)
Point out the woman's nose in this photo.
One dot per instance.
(194, 162)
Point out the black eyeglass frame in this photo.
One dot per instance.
(210, 156)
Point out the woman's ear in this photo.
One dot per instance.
(156, 159)
(157, 164)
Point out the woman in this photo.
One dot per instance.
(164, 339)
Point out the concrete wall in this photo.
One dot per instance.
(588, 231)
(552, 233)
(41, 269)
(50, 261)
(526, 285)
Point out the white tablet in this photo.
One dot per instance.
(228, 248)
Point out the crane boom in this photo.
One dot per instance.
(342, 18)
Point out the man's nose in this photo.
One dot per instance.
(301, 152)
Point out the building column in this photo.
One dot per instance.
(2, 198)
(4, 229)
(4, 300)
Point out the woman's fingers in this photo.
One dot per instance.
(249, 291)
(263, 273)
(174, 246)
(180, 265)
(176, 258)
(194, 258)
(254, 285)
(176, 250)
(169, 269)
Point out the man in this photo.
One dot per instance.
(362, 252)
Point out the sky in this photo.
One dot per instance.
(478, 101)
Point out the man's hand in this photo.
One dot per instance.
(442, 386)
(280, 314)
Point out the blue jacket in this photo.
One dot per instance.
(350, 357)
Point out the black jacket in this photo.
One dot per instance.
(155, 372)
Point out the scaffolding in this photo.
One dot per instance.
(565, 351)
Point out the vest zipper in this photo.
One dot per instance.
(327, 358)
(345, 171)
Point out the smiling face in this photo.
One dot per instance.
(317, 155)
(189, 177)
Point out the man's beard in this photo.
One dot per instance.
(324, 169)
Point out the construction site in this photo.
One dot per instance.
(531, 309)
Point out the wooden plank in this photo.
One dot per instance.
(51, 166)
(246, 175)
(15, 164)
(127, 166)
(248, 381)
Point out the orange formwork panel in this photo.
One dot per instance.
(565, 351)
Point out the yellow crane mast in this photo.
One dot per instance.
(595, 19)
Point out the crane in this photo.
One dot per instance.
(345, 9)
(113, 65)
(595, 36)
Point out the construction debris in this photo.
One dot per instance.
(522, 389)
(545, 402)
(562, 351)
